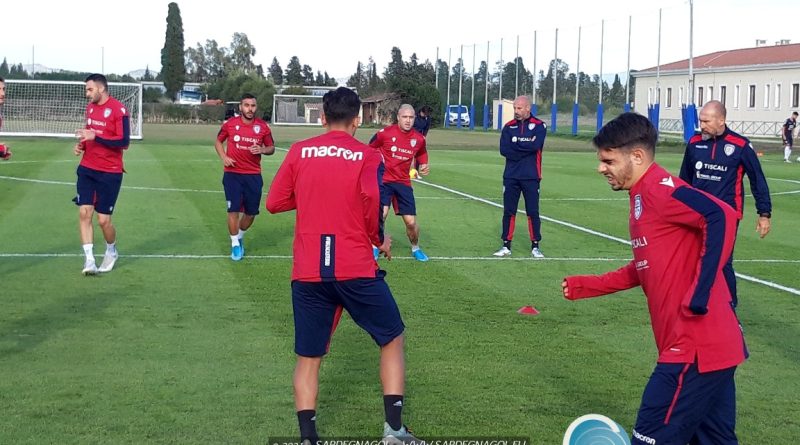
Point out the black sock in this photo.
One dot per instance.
(534, 245)
(308, 425)
(507, 244)
(393, 407)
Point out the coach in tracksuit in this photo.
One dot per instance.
(521, 143)
(715, 162)
(681, 238)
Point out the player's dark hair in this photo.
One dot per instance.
(4, 81)
(627, 131)
(340, 105)
(246, 96)
(98, 78)
(793, 114)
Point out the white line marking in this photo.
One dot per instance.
(180, 256)
(603, 235)
(129, 187)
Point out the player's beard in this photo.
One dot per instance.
(618, 179)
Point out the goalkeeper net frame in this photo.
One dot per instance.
(45, 108)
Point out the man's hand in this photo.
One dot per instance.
(85, 134)
(386, 247)
(763, 226)
(565, 288)
(257, 149)
(78, 150)
(227, 161)
(424, 169)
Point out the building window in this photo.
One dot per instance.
(669, 97)
(680, 95)
(766, 96)
(736, 94)
(795, 95)
(777, 102)
(710, 93)
(751, 96)
(699, 96)
(723, 90)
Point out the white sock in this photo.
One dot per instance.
(111, 248)
(787, 153)
(414, 248)
(241, 233)
(87, 250)
(234, 240)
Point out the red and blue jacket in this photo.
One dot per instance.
(521, 143)
(718, 165)
(681, 239)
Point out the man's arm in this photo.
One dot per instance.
(507, 147)
(267, 146)
(376, 140)
(120, 141)
(370, 187)
(687, 166)
(220, 148)
(421, 159)
(717, 224)
(587, 286)
(759, 189)
(280, 197)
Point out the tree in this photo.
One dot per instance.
(276, 72)
(196, 64)
(319, 80)
(241, 53)
(308, 75)
(4, 68)
(294, 72)
(358, 80)
(217, 60)
(148, 76)
(330, 81)
(231, 88)
(173, 70)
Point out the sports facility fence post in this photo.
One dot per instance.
(600, 99)
(500, 115)
(459, 124)
(447, 101)
(628, 71)
(575, 106)
(472, 96)
(486, 92)
(554, 106)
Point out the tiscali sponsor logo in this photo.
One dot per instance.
(637, 243)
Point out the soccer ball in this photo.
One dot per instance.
(798, 159)
(413, 173)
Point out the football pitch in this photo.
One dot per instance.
(179, 344)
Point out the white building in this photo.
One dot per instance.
(760, 87)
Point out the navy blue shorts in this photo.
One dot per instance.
(318, 307)
(400, 196)
(243, 192)
(681, 405)
(98, 189)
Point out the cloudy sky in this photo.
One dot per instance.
(334, 36)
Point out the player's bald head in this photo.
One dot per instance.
(406, 108)
(522, 108)
(715, 107)
(523, 101)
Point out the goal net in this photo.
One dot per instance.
(58, 108)
(294, 109)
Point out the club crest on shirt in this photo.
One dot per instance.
(257, 128)
(413, 143)
(107, 112)
(637, 206)
(531, 126)
(729, 149)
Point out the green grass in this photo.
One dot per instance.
(199, 350)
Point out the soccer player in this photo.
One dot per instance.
(248, 138)
(521, 143)
(101, 144)
(715, 162)
(5, 151)
(681, 238)
(788, 134)
(333, 183)
(401, 146)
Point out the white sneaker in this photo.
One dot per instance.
(504, 251)
(108, 262)
(403, 436)
(536, 253)
(788, 161)
(89, 268)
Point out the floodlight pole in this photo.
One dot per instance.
(691, 43)
(516, 74)
(578, 67)
(436, 69)
(658, 62)
(472, 97)
(535, 73)
(500, 92)
(486, 75)
(628, 72)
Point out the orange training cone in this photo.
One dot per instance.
(528, 310)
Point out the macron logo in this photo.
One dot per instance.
(643, 438)
(668, 182)
(331, 152)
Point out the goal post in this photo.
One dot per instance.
(58, 108)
